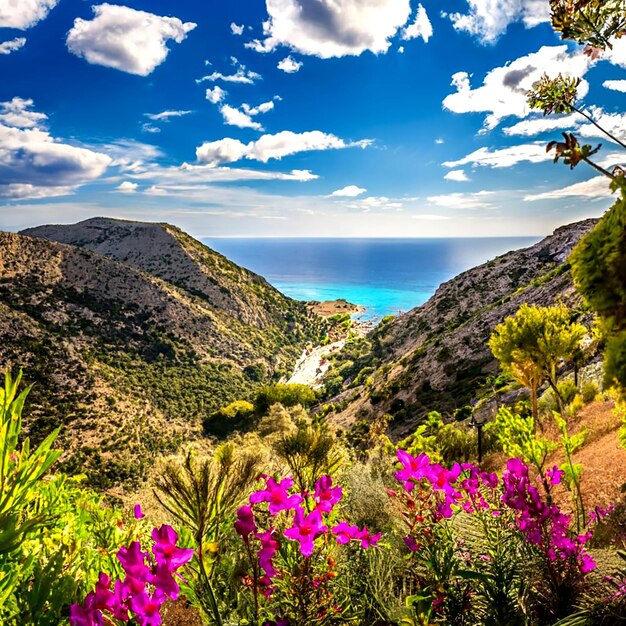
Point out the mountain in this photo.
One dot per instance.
(435, 357)
(132, 332)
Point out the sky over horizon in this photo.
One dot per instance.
(385, 118)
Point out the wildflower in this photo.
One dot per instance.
(277, 495)
(269, 545)
(165, 550)
(413, 469)
(326, 496)
(137, 512)
(410, 543)
(344, 532)
(368, 540)
(147, 608)
(305, 529)
(245, 524)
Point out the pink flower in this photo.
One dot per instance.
(554, 475)
(326, 496)
(277, 495)
(413, 469)
(137, 512)
(410, 543)
(305, 529)
(269, 545)
(245, 524)
(147, 608)
(344, 532)
(368, 540)
(165, 550)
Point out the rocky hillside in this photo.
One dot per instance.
(435, 357)
(132, 332)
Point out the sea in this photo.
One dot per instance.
(386, 276)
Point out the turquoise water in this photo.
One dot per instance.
(384, 275)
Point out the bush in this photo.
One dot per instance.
(568, 391)
(228, 419)
(589, 391)
(287, 395)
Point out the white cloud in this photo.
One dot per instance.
(268, 147)
(127, 187)
(235, 29)
(504, 89)
(125, 39)
(351, 191)
(18, 114)
(470, 201)
(614, 123)
(488, 19)
(289, 65)
(235, 117)
(458, 176)
(242, 75)
(421, 26)
(129, 155)
(190, 175)
(617, 55)
(615, 85)
(165, 116)
(439, 141)
(150, 128)
(33, 164)
(400, 49)
(504, 157)
(216, 94)
(6, 47)
(264, 107)
(537, 125)
(597, 187)
(328, 28)
(23, 14)
(375, 202)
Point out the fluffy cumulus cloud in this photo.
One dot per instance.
(503, 92)
(241, 119)
(216, 94)
(236, 29)
(615, 85)
(241, 75)
(350, 191)
(420, 27)
(596, 187)
(6, 47)
(504, 157)
(23, 14)
(375, 203)
(268, 147)
(327, 28)
(488, 19)
(33, 164)
(125, 39)
(617, 54)
(538, 125)
(289, 65)
(457, 176)
(127, 187)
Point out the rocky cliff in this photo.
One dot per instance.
(435, 357)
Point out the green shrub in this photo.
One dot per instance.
(287, 395)
(228, 419)
(589, 391)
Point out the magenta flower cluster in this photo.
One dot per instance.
(542, 524)
(307, 523)
(464, 487)
(149, 581)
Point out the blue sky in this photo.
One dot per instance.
(295, 117)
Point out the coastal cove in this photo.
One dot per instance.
(386, 276)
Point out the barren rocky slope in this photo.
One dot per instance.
(435, 357)
(128, 354)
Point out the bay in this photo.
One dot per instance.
(386, 276)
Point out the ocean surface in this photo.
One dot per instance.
(386, 276)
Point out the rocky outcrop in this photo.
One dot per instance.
(435, 357)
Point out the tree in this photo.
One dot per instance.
(531, 344)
